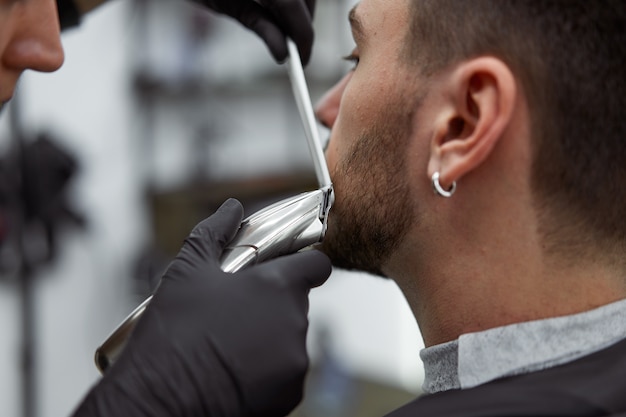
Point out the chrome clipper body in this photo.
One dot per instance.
(285, 227)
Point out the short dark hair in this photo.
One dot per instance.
(570, 58)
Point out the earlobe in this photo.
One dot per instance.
(477, 109)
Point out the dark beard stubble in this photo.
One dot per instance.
(373, 209)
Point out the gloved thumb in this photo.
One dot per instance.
(208, 239)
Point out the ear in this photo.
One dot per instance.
(478, 103)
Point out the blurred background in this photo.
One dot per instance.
(161, 112)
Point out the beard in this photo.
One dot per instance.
(373, 209)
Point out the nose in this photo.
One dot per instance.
(35, 42)
(327, 108)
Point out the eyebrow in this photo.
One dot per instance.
(355, 24)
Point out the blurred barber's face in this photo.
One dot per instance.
(370, 114)
(29, 39)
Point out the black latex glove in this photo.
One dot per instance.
(272, 20)
(212, 343)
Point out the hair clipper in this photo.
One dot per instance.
(279, 229)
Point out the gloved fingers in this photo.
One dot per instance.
(295, 19)
(208, 239)
(304, 270)
(259, 20)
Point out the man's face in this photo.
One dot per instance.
(370, 113)
(29, 39)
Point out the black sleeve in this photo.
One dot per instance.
(69, 16)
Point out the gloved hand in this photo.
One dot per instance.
(272, 20)
(212, 343)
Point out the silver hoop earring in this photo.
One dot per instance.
(439, 189)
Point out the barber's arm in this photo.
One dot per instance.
(272, 20)
(212, 343)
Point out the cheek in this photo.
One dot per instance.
(349, 117)
(365, 98)
(361, 104)
(332, 153)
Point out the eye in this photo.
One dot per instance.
(353, 57)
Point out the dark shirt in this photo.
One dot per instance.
(594, 385)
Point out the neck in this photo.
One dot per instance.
(493, 272)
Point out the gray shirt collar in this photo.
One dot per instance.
(476, 358)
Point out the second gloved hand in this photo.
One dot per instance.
(212, 343)
(273, 20)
